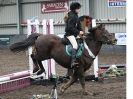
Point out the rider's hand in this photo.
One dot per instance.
(81, 33)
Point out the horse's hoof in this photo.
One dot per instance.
(94, 94)
(88, 93)
(35, 70)
(85, 93)
(62, 90)
(40, 72)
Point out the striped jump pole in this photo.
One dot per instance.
(14, 81)
(95, 64)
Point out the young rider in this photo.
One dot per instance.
(73, 30)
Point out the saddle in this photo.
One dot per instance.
(68, 47)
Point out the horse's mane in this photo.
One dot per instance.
(90, 36)
(81, 18)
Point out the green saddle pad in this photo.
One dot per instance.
(79, 50)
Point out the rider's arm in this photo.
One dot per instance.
(79, 26)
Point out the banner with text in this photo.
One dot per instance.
(54, 6)
(116, 3)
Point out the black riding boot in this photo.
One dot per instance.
(73, 61)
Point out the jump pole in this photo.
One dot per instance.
(14, 81)
(30, 25)
(52, 70)
(95, 64)
(48, 28)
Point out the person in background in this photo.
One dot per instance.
(86, 24)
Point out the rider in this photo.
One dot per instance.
(72, 29)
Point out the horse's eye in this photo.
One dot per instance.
(104, 34)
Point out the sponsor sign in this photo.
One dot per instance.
(116, 3)
(121, 38)
(54, 6)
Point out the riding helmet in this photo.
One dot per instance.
(75, 5)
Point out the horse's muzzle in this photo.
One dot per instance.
(113, 42)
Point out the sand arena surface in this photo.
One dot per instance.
(14, 62)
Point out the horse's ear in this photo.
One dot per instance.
(101, 26)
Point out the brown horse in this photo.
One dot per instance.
(51, 46)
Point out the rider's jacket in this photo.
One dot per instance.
(72, 27)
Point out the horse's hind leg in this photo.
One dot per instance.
(36, 68)
(42, 70)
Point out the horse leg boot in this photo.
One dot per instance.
(42, 70)
(72, 80)
(36, 68)
(74, 60)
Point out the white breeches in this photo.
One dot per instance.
(73, 41)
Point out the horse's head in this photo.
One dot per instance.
(100, 34)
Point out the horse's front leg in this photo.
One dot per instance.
(82, 82)
(72, 80)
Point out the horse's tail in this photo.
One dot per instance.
(23, 45)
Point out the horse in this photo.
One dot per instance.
(51, 46)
